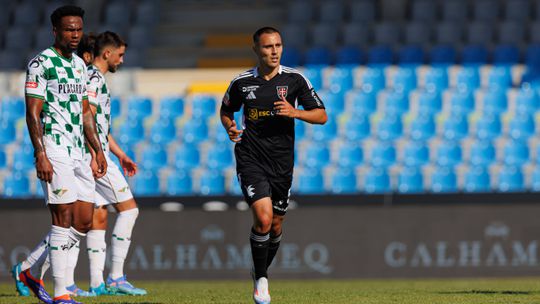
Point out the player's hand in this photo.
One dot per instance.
(234, 133)
(101, 165)
(94, 167)
(44, 168)
(284, 108)
(129, 166)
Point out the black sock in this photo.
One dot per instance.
(259, 252)
(272, 249)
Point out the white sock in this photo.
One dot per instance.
(121, 239)
(97, 247)
(73, 256)
(59, 246)
(37, 255)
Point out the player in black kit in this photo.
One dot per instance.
(264, 150)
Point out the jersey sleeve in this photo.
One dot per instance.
(307, 97)
(85, 88)
(36, 78)
(232, 101)
(92, 88)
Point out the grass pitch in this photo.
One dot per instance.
(473, 291)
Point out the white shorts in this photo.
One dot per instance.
(72, 181)
(113, 187)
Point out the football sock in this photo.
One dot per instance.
(273, 247)
(259, 252)
(121, 239)
(59, 246)
(38, 254)
(97, 247)
(73, 256)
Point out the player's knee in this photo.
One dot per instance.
(276, 229)
(263, 224)
(83, 226)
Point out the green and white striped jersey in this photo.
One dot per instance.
(61, 83)
(100, 97)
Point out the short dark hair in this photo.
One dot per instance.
(87, 44)
(105, 39)
(263, 30)
(63, 11)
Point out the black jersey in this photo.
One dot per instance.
(268, 139)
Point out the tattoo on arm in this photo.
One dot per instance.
(33, 122)
(89, 126)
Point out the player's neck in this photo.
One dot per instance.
(267, 72)
(66, 53)
(101, 65)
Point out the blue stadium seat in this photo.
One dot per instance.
(310, 181)
(300, 12)
(377, 181)
(318, 56)
(527, 101)
(139, 107)
(482, 153)
(511, 32)
(415, 153)
(331, 11)
(343, 181)
(131, 132)
(299, 130)
(26, 14)
(535, 179)
(396, 102)
(314, 74)
(404, 80)
(517, 10)
(422, 127)
(171, 107)
(532, 55)
(429, 102)
(233, 186)
(476, 179)
(203, 106)
(220, 136)
(436, 79)
(350, 154)
(494, 101)
(324, 35)
(294, 35)
(11, 60)
(186, 157)
(461, 101)
(333, 101)
(389, 127)
(315, 155)
(380, 56)
(448, 33)
(39, 190)
(521, 126)
(163, 131)
(386, 33)
(3, 159)
(506, 55)
(139, 37)
(468, 78)
(474, 55)
(355, 35)
(443, 180)
(7, 132)
(117, 15)
(361, 102)
(349, 56)
(363, 12)
(515, 153)
(410, 180)
(147, 13)
(373, 80)
(411, 55)
(480, 33)
(510, 179)
(291, 57)
(357, 127)
(12, 108)
(448, 153)
(341, 79)
(145, 183)
(219, 156)
(24, 158)
(488, 126)
(17, 40)
(424, 11)
(486, 10)
(442, 55)
(454, 10)
(116, 109)
(43, 38)
(16, 185)
(325, 132)
(455, 127)
(179, 183)
(382, 154)
(212, 182)
(417, 33)
(194, 131)
(154, 157)
(500, 77)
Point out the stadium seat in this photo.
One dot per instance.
(117, 15)
(16, 185)
(476, 179)
(422, 127)
(389, 127)
(448, 33)
(511, 32)
(363, 11)
(382, 154)
(291, 57)
(417, 33)
(488, 126)
(454, 10)
(373, 80)
(26, 14)
(318, 56)
(455, 127)
(7, 132)
(186, 157)
(24, 158)
(131, 132)
(349, 56)
(377, 181)
(212, 182)
(486, 10)
(12, 108)
(510, 179)
(410, 180)
(171, 107)
(3, 159)
(203, 106)
(424, 11)
(415, 154)
(517, 10)
(219, 156)
(145, 183)
(506, 55)
(386, 33)
(11, 60)
(331, 11)
(154, 157)
(461, 101)
(343, 181)
(521, 126)
(315, 155)
(325, 132)
(535, 179)
(139, 107)
(300, 12)
(17, 40)
(43, 38)
(357, 127)
(340, 79)
(219, 135)
(163, 131)
(481, 153)
(233, 186)
(443, 180)
(349, 155)
(527, 101)
(294, 35)
(442, 55)
(468, 78)
(355, 35)
(310, 181)
(299, 130)
(361, 102)
(480, 33)
(515, 153)
(147, 13)
(474, 55)
(324, 35)
(500, 77)
(116, 108)
(333, 100)
(179, 183)
(448, 153)
(404, 80)
(411, 56)
(395, 102)
(194, 131)
(380, 56)
(532, 54)
(429, 102)
(139, 37)
(436, 79)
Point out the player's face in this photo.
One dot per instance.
(87, 57)
(115, 58)
(269, 49)
(69, 33)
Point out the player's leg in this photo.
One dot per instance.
(38, 255)
(280, 202)
(97, 248)
(275, 238)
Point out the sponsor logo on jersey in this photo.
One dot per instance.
(59, 192)
(31, 84)
(255, 114)
(282, 91)
(251, 96)
(250, 88)
(70, 88)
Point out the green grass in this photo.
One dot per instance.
(473, 291)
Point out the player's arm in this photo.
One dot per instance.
(92, 138)
(313, 116)
(129, 166)
(227, 120)
(230, 104)
(34, 106)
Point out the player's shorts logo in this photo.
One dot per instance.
(282, 91)
(59, 192)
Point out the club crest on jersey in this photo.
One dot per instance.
(282, 91)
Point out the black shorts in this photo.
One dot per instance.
(257, 186)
